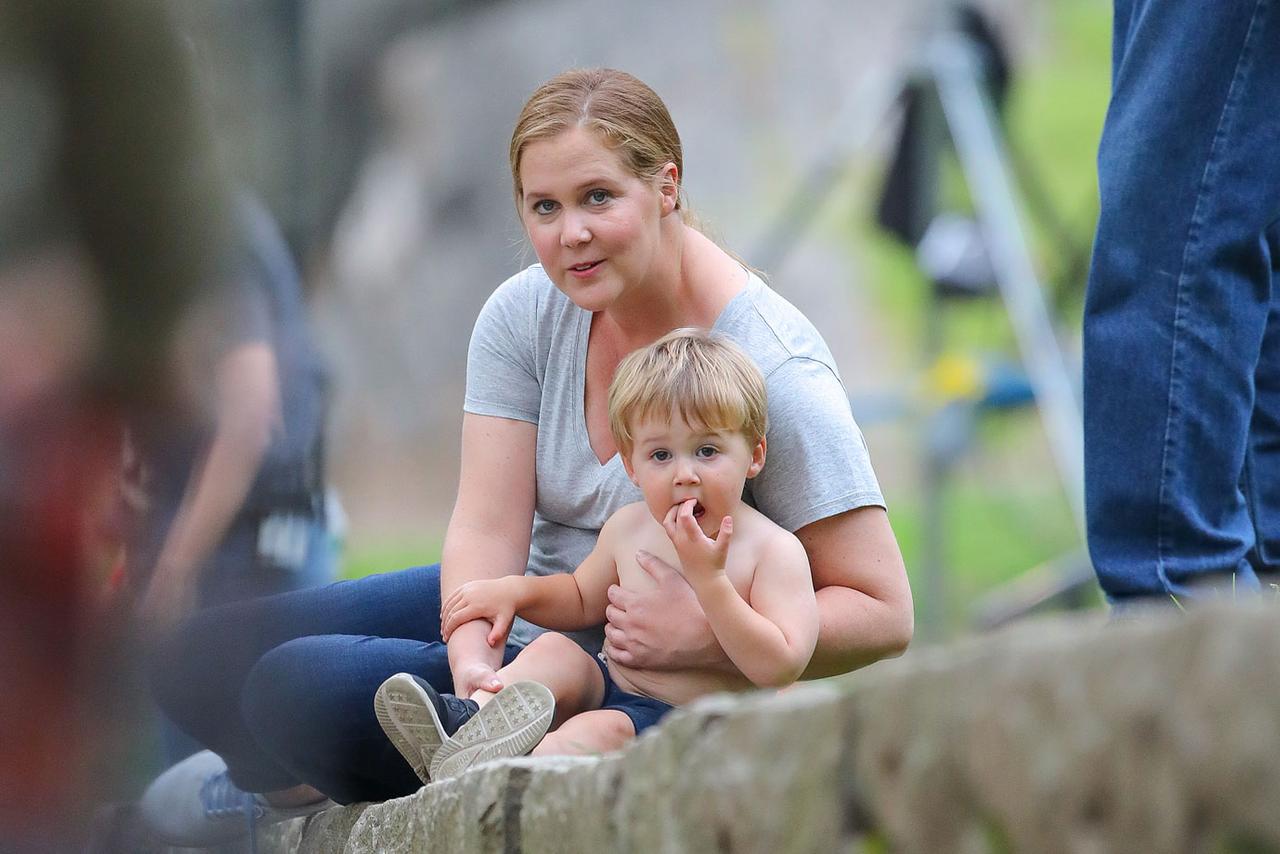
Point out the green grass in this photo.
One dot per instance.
(992, 532)
(367, 559)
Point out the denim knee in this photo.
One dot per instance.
(280, 690)
(308, 704)
(180, 671)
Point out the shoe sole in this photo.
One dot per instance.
(511, 724)
(409, 720)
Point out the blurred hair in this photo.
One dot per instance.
(704, 377)
(629, 117)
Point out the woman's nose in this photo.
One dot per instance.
(573, 231)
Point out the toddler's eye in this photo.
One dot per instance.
(707, 451)
(660, 456)
(598, 197)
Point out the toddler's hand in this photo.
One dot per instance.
(701, 558)
(479, 600)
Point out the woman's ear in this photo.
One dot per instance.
(669, 187)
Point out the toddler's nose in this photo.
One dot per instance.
(686, 473)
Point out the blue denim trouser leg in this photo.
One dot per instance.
(282, 687)
(1261, 480)
(235, 574)
(1181, 374)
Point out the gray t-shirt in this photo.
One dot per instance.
(527, 361)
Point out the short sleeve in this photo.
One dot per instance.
(816, 462)
(502, 370)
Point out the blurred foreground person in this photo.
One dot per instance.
(109, 220)
(1181, 332)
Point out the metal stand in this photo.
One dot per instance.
(947, 100)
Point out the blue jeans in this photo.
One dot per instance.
(236, 572)
(282, 687)
(1181, 334)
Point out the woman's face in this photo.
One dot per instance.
(593, 224)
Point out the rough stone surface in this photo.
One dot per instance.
(1154, 735)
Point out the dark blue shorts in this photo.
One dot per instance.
(643, 711)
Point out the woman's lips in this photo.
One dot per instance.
(583, 271)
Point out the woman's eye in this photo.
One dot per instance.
(544, 206)
(660, 456)
(707, 451)
(598, 197)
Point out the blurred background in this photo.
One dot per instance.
(374, 133)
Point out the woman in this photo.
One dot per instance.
(282, 688)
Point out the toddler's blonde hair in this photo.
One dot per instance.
(704, 377)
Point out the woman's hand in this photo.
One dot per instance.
(663, 628)
(489, 599)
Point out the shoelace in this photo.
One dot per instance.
(221, 798)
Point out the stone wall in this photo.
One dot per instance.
(1153, 735)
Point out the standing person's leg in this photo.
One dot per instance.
(1261, 482)
(282, 687)
(1179, 292)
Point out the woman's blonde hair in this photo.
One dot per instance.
(704, 377)
(629, 117)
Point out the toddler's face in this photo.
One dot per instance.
(673, 461)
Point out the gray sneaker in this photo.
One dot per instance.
(511, 724)
(194, 804)
(417, 719)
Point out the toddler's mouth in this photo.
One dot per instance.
(698, 510)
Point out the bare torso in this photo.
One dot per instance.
(643, 532)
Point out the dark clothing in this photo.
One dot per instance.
(643, 711)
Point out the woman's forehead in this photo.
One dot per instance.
(576, 154)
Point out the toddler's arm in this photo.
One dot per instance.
(771, 637)
(563, 601)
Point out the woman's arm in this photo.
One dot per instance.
(489, 531)
(864, 604)
(865, 611)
